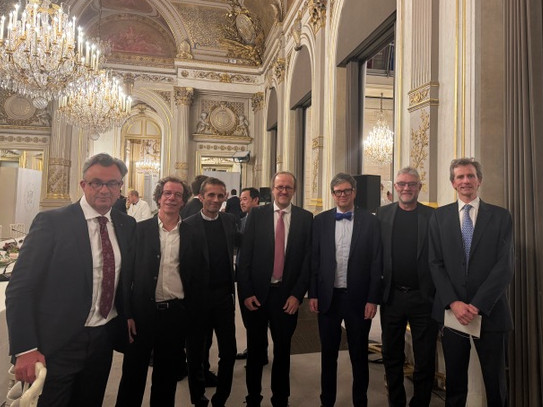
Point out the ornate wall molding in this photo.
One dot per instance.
(64, 162)
(181, 165)
(257, 101)
(317, 142)
(58, 178)
(145, 77)
(183, 96)
(40, 140)
(222, 147)
(279, 67)
(423, 96)
(166, 95)
(420, 145)
(296, 31)
(17, 111)
(184, 51)
(222, 77)
(317, 14)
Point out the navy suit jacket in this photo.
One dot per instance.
(364, 265)
(258, 248)
(490, 270)
(386, 215)
(49, 296)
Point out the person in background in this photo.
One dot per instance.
(139, 209)
(194, 205)
(120, 204)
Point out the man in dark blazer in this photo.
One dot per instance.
(166, 299)
(408, 291)
(64, 299)
(219, 231)
(194, 205)
(272, 281)
(345, 286)
(471, 261)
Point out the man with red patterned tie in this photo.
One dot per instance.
(272, 281)
(67, 289)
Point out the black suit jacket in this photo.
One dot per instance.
(48, 298)
(230, 232)
(386, 215)
(364, 265)
(258, 248)
(142, 306)
(490, 264)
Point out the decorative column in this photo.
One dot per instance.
(58, 165)
(180, 143)
(423, 96)
(257, 104)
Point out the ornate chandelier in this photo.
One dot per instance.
(39, 52)
(148, 166)
(380, 142)
(95, 104)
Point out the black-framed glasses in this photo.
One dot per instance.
(169, 194)
(346, 192)
(111, 185)
(284, 188)
(410, 185)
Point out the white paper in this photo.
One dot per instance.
(473, 328)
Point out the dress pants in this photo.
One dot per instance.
(408, 306)
(282, 326)
(358, 330)
(77, 374)
(491, 348)
(162, 337)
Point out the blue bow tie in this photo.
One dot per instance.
(346, 215)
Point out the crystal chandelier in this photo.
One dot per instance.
(95, 104)
(380, 142)
(39, 51)
(148, 166)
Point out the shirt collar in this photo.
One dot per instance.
(89, 212)
(286, 210)
(207, 217)
(474, 204)
(161, 224)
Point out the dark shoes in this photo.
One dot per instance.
(210, 379)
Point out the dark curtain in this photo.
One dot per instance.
(524, 191)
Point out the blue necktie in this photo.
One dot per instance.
(467, 231)
(346, 215)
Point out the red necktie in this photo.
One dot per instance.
(108, 269)
(279, 257)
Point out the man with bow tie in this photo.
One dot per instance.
(345, 286)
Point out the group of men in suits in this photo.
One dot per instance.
(89, 281)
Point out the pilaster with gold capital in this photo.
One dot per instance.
(180, 142)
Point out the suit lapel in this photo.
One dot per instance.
(422, 223)
(453, 223)
(81, 234)
(184, 243)
(356, 228)
(483, 217)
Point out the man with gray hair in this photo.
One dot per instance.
(64, 301)
(408, 291)
(139, 209)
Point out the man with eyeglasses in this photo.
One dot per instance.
(408, 291)
(345, 286)
(272, 281)
(166, 299)
(65, 298)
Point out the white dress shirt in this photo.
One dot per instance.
(472, 212)
(140, 210)
(169, 285)
(95, 318)
(344, 233)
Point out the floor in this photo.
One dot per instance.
(305, 379)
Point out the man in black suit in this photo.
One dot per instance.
(408, 291)
(233, 204)
(345, 286)
(166, 299)
(272, 281)
(471, 261)
(67, 290)
(220, 233)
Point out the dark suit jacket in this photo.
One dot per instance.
(194, 205)
(230, 232)
(386, 215)
(142, 306)
(233, 206)
(490, 264)
(48, 298)
(258, 248)
(364, 266)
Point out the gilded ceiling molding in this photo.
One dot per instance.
(296, 31)
(18, 111)
(181, 165)
(184, 51)
(317, 14)
(221, 147)
(423, 96)
(257, 101)
(64, 162)
(278, 11)
(332, 5)
(166, 95)
(279, 67)
(222, 121)
(420, 140)
(183, 96)
(144, 77)
(219, 76)
(25, 139)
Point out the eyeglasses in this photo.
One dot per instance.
(346, 192)
(282, 188)
(407, 184)
(169, 194)
(111, 185)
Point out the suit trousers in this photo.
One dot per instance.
(403, 308)
(358, 330)
(282, 326)
(491, 348)
(77, 374)
(161, 337)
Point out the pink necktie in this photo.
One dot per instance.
(108, 269)
(279, 257)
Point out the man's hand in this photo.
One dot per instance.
(370, 310)
(291, 306)
(251, 303)
(131, 330)
(313, 305)
(25, 366)
(463, 312)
